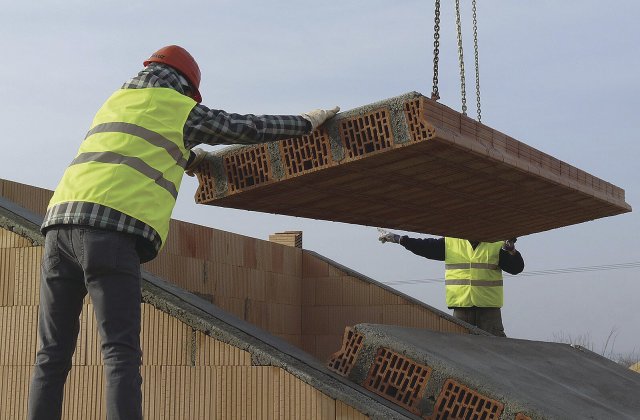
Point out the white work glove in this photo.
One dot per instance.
(317, 117)
(386, 236)
(195, 163)
(510, 245)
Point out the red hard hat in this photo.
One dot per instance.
(178, 58)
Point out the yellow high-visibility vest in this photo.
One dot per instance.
(133, 157)
(473, 277)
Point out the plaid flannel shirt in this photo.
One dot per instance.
(203, 126)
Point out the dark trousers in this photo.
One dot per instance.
(487, 319)
(77, 260)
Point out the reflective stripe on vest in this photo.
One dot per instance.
(133, 162)
(465, 266)
(133, 157)
(480, 283)
(148, 135)
(473, 276)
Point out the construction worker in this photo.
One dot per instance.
(111, 211)
(473, 274)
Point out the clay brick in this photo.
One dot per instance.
(398, 379)
(344, 359)
(164, 339)
(306, 153)
(18, 327)
(355, 291)
(277, 259)
(366, 134)
(292, 261)
(313, 267)
(249, 254)
(308, 343)
(308, 291)
(419, 129)
(458, 401)
(263, 255)
(336, 271)
(257, 285)
(240, 282)
(31, 198)
(283, 289)
(206, 183)
(326, 345)
(328, 291)
(256, 313)
(341, 316)
(315, 320)
(248, 167)
(11, 240)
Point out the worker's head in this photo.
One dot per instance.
(178, 58)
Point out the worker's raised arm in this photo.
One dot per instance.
(210, 126)
(430, 248)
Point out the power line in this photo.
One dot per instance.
(549, 272)
(635, 264)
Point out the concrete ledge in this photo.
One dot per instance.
(456, 376)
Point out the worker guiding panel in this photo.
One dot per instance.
(111, 212)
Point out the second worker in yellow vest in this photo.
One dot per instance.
(473, 275)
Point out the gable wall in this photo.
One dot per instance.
(186, 374)
(284, 290)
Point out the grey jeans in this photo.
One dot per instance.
(77, 260)
(488, 319)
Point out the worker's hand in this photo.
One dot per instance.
(317, 117)
(386, 236)
(196, 161)
(510, 245)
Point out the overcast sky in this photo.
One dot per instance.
(559, 76)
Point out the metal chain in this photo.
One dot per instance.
(435, 94)
(475, 46)
(461, 59)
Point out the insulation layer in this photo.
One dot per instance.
(413, 164)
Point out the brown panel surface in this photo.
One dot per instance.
(446, 173)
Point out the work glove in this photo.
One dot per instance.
(317, 117)
(196, 161)
(510, 245)
(386, 236)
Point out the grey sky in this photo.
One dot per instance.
(559, 76)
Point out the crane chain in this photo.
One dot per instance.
(435, 94)
(475, 46)
(461, 59)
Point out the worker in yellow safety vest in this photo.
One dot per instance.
(473, 274)
(111, 211)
